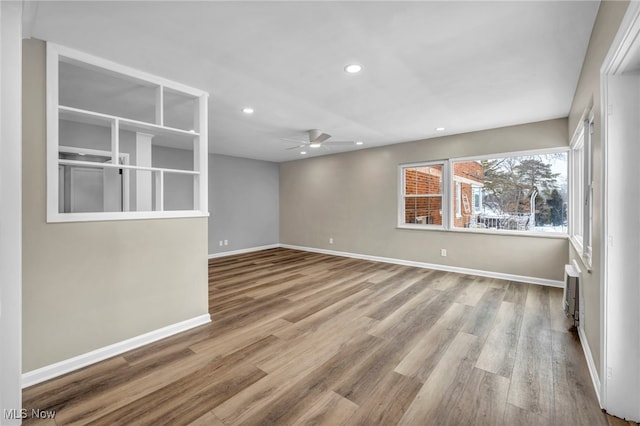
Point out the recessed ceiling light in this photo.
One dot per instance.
(359, 143)
(247, 110)
(353, 68)
(439, 129)
(303, 152)
(315, 145)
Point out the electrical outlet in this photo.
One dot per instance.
(220, 243)
(609, 372)
(226, 242)
(330, 240)
(443, 252)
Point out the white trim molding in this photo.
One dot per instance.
(11, 211)
(243, 251)
(68, 365)
(593, 371)
(456, 269)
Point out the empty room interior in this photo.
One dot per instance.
(319, 212)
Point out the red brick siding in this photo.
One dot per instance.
(465, 188)
(419, 207)
(419, 182)
(423, 181)
(426, 181)
(469, 170)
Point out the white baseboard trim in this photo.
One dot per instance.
(242, 251)
(39, 375)
(457, 269)
(593, 372)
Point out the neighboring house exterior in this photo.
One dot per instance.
(423, 189)
(468, 178)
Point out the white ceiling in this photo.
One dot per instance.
(464, 66)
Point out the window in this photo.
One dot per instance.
(524, 192)
(581, 169)
(122, 144)
(421, 193)
(515, 193)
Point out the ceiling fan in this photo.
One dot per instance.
(318, 139)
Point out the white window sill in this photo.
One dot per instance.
(579, 249)
(109, 216)
(421, 227)
(560, 235)
(552, 235)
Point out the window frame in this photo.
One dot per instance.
(581, 188)
(443, 194)
(526, 153)
(57, 54)
(448, 212)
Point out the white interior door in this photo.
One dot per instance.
(113, 190)
(93, 189)
(86, 189)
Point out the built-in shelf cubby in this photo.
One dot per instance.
(121, 143)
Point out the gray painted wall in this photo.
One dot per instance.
(353, 198)
(178, 189)
(587, 94)
(243, 203)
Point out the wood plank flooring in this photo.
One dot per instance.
(302, 338)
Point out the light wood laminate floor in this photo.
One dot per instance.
(306, 338)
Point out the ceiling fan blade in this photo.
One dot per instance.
(288, 140)
(321, 138)
(296, 147)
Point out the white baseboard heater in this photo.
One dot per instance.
(571, 293)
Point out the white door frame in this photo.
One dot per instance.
(10, 212)
(620, 274)
(124, 159)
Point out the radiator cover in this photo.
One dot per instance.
(571, 293)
